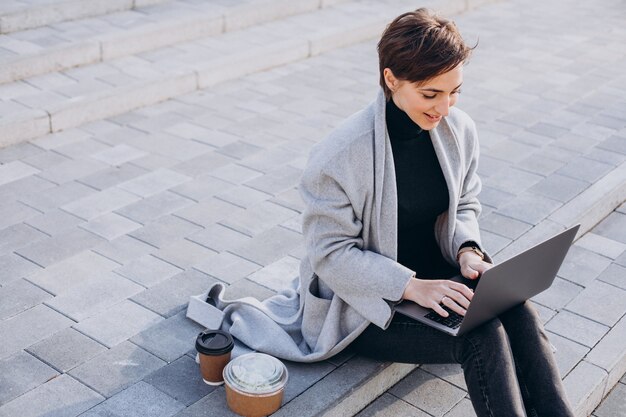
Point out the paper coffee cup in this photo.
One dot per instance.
(214, 349)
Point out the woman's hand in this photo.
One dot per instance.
(472, 266)
(432, 293)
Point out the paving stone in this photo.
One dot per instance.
(153, 207)
(140, 399)
(601, 245)
(82, 148)
(511, 151)
(389, 406)
(203, 164)
(277, 275)
(59, 397)
(560, 293)
(584, 387)
(219, 238)
(268, 246)
(585, 169)
(56, 196)
(184, 253)
(169, 339)
(613, 227)
(428, 393)
(612, 300)
(582, 266)
(494, 197)
(71, 170)
(304, 375)
(208, 212)
(610, 353)
(21, 373)
(545, 314)
(84, 267)
(227, 267)
(163, 230)
(614, 143)
(110, 177)
(15, 267)
(26, 186)
(243, 196)
(123, 249)
(90, 298)
(66, 349)
(117, 368)
(577, 328)
(118, 323)
(494, 243)
(118, 155)
(148, 270)
(614, 275)
(513, 179)
(14, 212)
(503, 226)
(613, 405)
(172, 295)
(100, 203)
(463, 408)
(529, 208)
(19, 295)
(247, 288)
(15, 170)
(277, 181)
(449, 372)
(568, 353)
(258, 218)
(18, 151)
(290, 199)
(559, 187)
(181, 380)
(54, 222)
(203, 187)
(211, 405)
(110, 226)
(29, 327)
(154, 182)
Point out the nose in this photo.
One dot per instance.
(443, 107)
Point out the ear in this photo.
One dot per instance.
(390, 79)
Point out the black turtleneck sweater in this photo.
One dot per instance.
(422, 196)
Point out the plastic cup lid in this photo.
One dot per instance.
(214, 342)
(256, 373)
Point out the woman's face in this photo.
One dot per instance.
(426, 102)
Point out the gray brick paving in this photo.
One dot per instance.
(57, 196)
(18, 296)
(203, 187)
(577, 328)
(21, 373)
(428, 393)
(110, 177)
(54, 222)
(184, 253)
(583, 266)
(614, 404)
(601, 245)
(14, 267)
(227, 267)
(614, 227)
(14, 212)
(560, 293)
(116, 369)
(100, 203)
(529, 207)
(118, 323)
(170, 296)
(89, 298)
(153, 207)
(258, 219)
(568, 354)
(66, 349)
(160, 233)
(268, 246)
(169, 339)
(59, 397)
(219, 238)
(140, 399)
(30, 327)
(148, 270)
(123, 249)
(154, 182)
(614, 275)
(388, 405)
(110, 225)
(180, 380)
(208, 212)
(612, 300)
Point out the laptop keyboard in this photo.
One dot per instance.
(453, 321)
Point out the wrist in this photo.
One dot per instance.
(471, 250)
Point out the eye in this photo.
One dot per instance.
(456, 92)
(429, 97)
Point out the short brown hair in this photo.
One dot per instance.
(418, 46)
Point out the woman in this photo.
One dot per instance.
(391, 213)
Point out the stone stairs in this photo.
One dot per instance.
(72, 72)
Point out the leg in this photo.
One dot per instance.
(483, 354)
(537, 371)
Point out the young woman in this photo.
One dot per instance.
(391, 214)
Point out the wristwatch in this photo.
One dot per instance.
(474, 249)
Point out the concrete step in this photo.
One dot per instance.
(68, 44)
(16, 15)
(54, 102)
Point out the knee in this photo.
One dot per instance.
(488, 338)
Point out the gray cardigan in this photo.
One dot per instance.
(350, 277)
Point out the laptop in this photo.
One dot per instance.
(498, 289)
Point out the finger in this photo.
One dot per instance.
(468, 272)
(459, 299)
(452, 305)
(481, 267)
(463, 289)
(439, 310)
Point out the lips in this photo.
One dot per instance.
(433, 118)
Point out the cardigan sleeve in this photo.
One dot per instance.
(469, 208)
(368, 281)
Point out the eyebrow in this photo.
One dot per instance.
(434, 90)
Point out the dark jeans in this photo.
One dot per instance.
(507, 362)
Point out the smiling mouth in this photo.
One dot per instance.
(432, 118)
